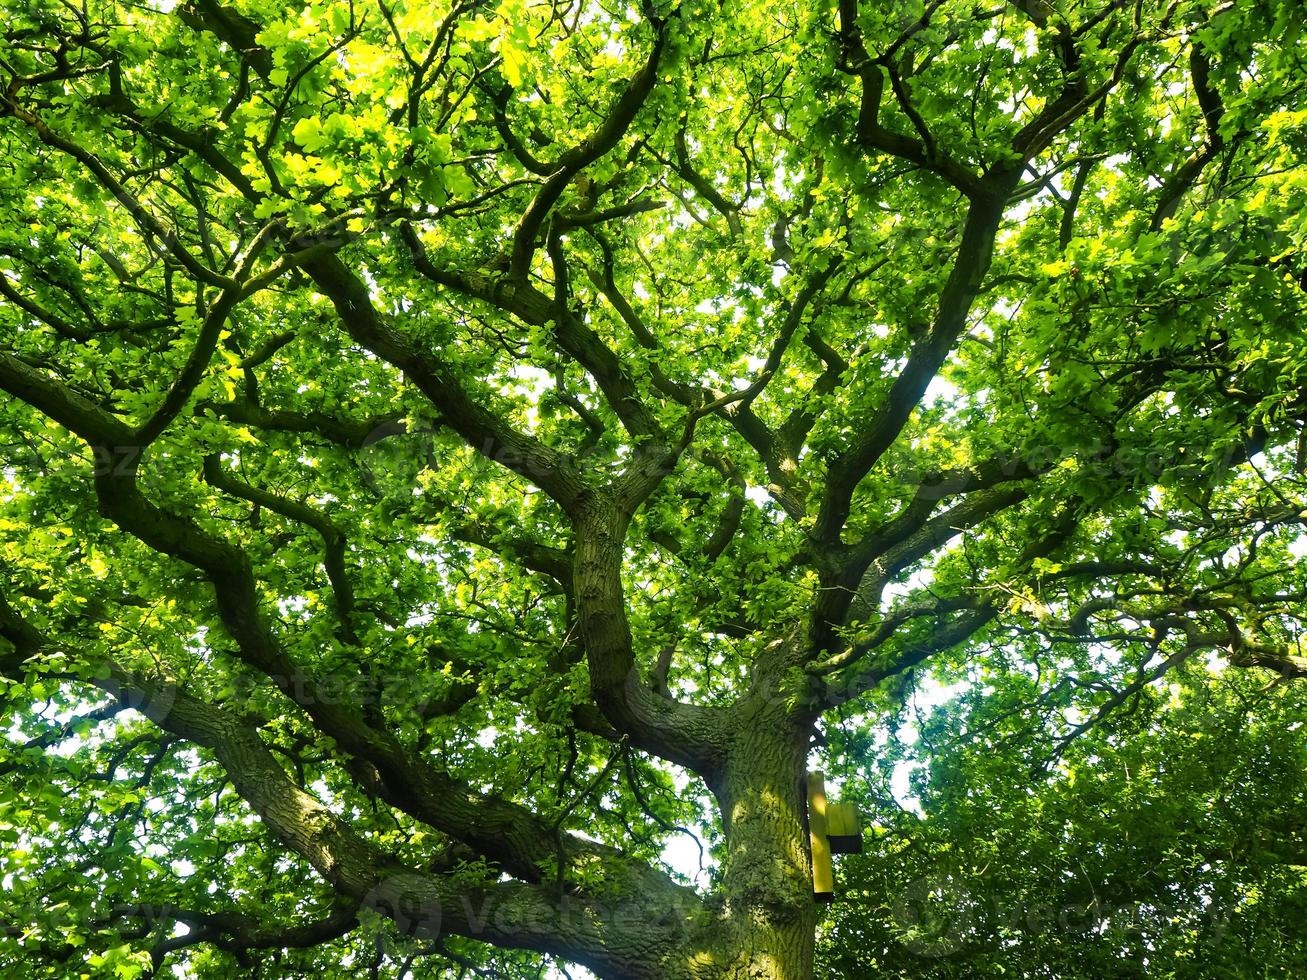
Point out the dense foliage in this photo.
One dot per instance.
(456, 458)
(1169, 843)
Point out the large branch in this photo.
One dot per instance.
(688, 735)
(871, 133)
(878, 432)
(735, 409)
(884, 652)
(334, 542)
(482, 429)
(577, 158)
(575, 926)
(574, 337)
(588, 349)
(350, 433)
(236, 932)
(547, 917)
(506, 833)
(1186, 175)
(150, 226)
(924, 152)
(988, 196)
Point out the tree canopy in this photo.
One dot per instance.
(457, 456)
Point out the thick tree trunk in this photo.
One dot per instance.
(753, 756)
(769, 912)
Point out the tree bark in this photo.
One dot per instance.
(769, 909)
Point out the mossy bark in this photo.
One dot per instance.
(766, 883)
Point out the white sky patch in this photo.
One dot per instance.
(1016, 216)
(931, 694)
(900, 786)
(681, 854)
(939, 390)
(292, 607)
(1004, 308)
(530, 378)
(919, 579)
(928, 695)
(529, 383)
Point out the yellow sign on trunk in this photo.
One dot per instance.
(833, 828)
(823, 875)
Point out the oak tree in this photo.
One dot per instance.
(454, 451)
